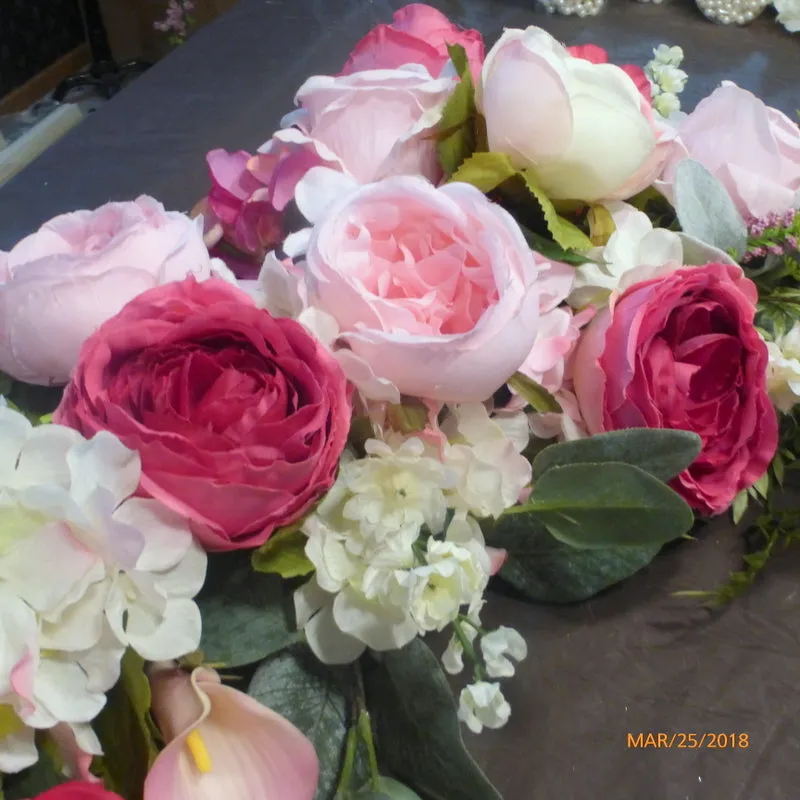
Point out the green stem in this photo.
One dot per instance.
(349, 760)
(469, 650)
(365, 729)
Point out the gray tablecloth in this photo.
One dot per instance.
(634, 659)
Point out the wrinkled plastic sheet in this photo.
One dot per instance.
(633, 660)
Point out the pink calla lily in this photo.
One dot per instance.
(223, 744)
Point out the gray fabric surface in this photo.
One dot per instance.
(633, 660)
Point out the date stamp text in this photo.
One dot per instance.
(688, 741)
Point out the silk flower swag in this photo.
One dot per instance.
(249, 466)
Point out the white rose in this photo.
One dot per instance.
(581, 128)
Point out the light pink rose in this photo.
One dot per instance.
(369, 125)
(78, 270)
(754, 150)
(419, 35)
(433, 290)
(582, 129)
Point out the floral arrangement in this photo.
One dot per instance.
(178, 21)
(536, 323)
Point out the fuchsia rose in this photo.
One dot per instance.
(368, 125)
(239, 418)
(62, 282)
(681, 352)
(434, 289)
(754, 150)
(239, 210)
(78, 790)
(597, 55)
(419, 35)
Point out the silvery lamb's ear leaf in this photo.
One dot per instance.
(697, 253)
(705, 209)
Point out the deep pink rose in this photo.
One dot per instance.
(61, 282)
(239, 418)
(239, 208)
(597, 55)
(78, 790)
(419, 35)
(681, 352)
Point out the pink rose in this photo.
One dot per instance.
(419, 35)
(239, 418)
(78, 790)
(58, 285)
(239, 210)
(434, 290)
(681, 352)
(368, 125)
(597, 55)
(754, 150)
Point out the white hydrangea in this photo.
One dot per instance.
(788, 14)
(482, 705)
(485, 454)
(499, 647)
(783, 372)
(85, 570)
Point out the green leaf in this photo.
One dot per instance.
(313, 697)
(418, 732)
(244, 618)
(389, 790)
(705, 209)
(565, 234)
(740, 503)
(549, 571)
(607, 505)
(284, 554)
(535, 395)
(126, 731)
(661, 453)
(761, 486)
(43, 775)
(485, 171)
(549, 249)
(410, 416)
(457, 126)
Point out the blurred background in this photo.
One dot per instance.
(61, 59)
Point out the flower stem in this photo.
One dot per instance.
(365, 729)
(343, 788)
(469, 650)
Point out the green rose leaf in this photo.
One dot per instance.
(33, 781)
(661, 453)
(284, 554)
(418, 732)
(126, 730)
(549, 571)
(564, 233)
(389, 790)
(705, 209)
(313, 697)
(606, 504)
(245, 618)
(485, 171)
(456, 127)
(534, 395)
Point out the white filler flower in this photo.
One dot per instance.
(783, 373)
(85, 570)
(499, 648)
(482, 705)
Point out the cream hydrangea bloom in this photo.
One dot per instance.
(85, 571)
(783, 373)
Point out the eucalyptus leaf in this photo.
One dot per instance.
(418, 732)
(390, 789)
(549, 571)
(660, 452)
(607, 505)
(697, 253)
(126, 731)
(244, 613)
(705, 209)
(456, 127)
(313, 697)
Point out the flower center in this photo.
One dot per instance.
(197, 748)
